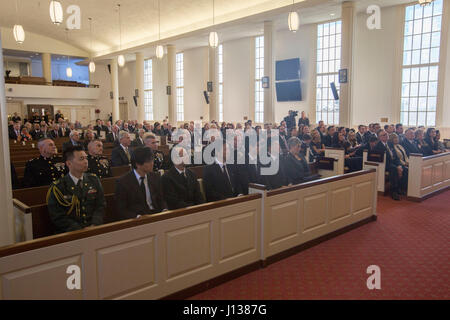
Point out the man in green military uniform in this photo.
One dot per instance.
(76, 201)
(45, 169)
(97, 164)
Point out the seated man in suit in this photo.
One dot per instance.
(139, 192)
(76, 201)
(64, 131)
(97, 164)
(220, 179)
(180, 185)
(113, 136)
(139, 141)
(98, 127)
(14, 133)
(393, 165)
(409, 144)
(120, 155)
(74, 140)
(55, 131)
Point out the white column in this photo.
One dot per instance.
(345, 101)
(115, 89)
(6, 214)
(47, 66)
(171, 62)
(213, 111)
(140, 86)
(269, 38)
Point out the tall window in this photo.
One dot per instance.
(259, 73)
(422, 38)
(148, 89)
(220, 83)
(180, 86)
(328, 65)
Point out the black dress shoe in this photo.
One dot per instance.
(395, 196)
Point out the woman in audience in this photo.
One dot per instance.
(317, 148)
(296, 168)
(303, 119)
(395, 145)
(430, 139)
(25, 136)
(440, 144)
(352, 139)
(421, 144)
(305, 131)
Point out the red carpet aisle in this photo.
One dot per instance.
(410, 242)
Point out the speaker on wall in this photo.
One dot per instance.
(205, 93)
(333, 89)
(210, 86)
(109, 68)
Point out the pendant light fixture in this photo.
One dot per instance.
(213, 36)
(425, 2)
(120, 58)
(19, 33)
(56, 12)
(68, 69)
(159, 48)
(91, 63)
(293, 19)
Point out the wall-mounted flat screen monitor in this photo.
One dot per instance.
(288, 69)
(289, 91)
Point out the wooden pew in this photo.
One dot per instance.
(37, 195)
(36, 223)
(328, 167)
(428, 175)
(377, 161)
(339, 155)
(120, 171)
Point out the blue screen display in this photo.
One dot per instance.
(289, 91)
(288, 69)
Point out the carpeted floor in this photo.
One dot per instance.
(410, 242)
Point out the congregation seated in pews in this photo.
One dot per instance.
(300, 155)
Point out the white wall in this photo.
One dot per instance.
(238, 79)
(375, 63)
(301, 45)
(102, 78)
(195, 82)
(127, 85)
(160, 81)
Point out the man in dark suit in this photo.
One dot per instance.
(393, 166)
(180, 185)
(98, 127)
(74, 141)
(360, 134)
(14, 133)
(139, 141)
(120, 155)
(63, 130)
(328, 139)
(369, 146)
(139, 192)
(220, 178)
(54, 134)
(409, 144)
(113, 136)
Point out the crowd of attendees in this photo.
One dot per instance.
(142, 191)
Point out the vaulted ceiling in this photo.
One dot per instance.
(179, 19)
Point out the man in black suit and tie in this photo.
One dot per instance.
(409, 144)
(64, 131)
(220, 178)
(54, 134)
(139, 192)
(360, 134)
(113, 136)
(393, 166)
(139, 141)
(74, 141)
(180, 186)
(14, 133)
(120, 155)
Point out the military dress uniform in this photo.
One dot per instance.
(158, 162)
(99, 166)
(43, 171)
(74, 207)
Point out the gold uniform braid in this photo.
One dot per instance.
(75, 203)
